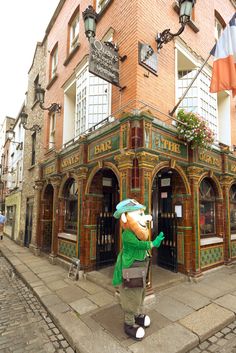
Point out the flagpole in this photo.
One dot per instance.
(190, 85)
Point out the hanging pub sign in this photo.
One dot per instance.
(104, 61)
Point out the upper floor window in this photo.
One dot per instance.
(218, 29)
(101, 4)
(213, 108)
(52, 130)
(74, 31)
(219, 25)
(92, 101)
(33, 141)
(36, 82)
(54, 61)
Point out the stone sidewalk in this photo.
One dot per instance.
(183, 313)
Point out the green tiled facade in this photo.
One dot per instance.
(211, 256)
(233, 249)
(67, 249)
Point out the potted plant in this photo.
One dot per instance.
(193, 129)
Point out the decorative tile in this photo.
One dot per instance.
(211, 256)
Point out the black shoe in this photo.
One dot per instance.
(1, 237)
(134, 331)
(143, 320)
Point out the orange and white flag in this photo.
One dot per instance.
(224, 65)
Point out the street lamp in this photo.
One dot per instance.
(90, 22)
(186, 7)
(40, 93)
(24, 118)
(10, 134)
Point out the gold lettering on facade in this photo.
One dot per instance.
(49, 170)
(103, 147)
(209, 159)
(168, 145)
(67, 162)
(233, 168)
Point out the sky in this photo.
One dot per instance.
(22, 24)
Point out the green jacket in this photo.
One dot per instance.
(133, 249)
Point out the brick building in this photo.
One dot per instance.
(110, 142)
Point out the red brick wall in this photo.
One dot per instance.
(135, 21)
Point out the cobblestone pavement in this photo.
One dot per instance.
(25, 326)
(223, 341)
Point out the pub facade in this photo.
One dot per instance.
(189, 192)
(114, 138)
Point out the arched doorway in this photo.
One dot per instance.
(168, 189)
(47, 217)
(104, 187)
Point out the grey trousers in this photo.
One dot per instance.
(131, 300)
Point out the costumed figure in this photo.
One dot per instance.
(132, 265)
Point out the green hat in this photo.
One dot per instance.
(127, 205)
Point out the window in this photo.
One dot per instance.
(52, 129)
(10, 215)
(101, 4)
(36, 82)
(33, 140)
(54, 62)
(232, 198)
(74, 32)
(207, 209)
(71, 206)
(92, 101)
(218, 29)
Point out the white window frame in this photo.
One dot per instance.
(52, 130)
(100, 4)
(80, 127)
(74, 32)
(54, 62)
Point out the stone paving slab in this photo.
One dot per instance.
(228, 301)
(171, 308)
(55, 285)
(29, 276)
(100, 342)
(101, 298)
(71, 293)
(83, 306)
(89, 287)
(206, 290)
(173, 338)
(187, 296)
(208, 320)
(42, 290)
(115, 326)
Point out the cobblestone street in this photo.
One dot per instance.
(25, 326)
(223, 341)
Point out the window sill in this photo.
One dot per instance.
(32, 167)
(209, 241)
(51, 82)
(71, 54)
(34, 104)
(67, 236)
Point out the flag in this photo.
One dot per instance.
(224, 65)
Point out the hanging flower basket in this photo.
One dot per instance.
(194, 130)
